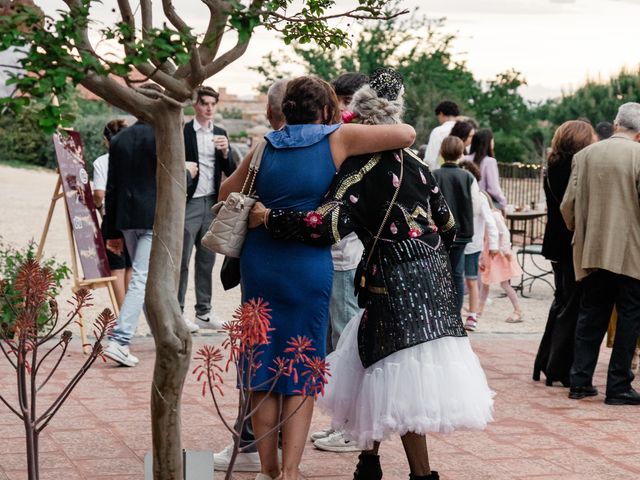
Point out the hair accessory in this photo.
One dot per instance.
(386, 82)
(348, 116)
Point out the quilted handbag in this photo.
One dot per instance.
(228, 229)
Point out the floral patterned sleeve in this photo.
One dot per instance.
(327, 224)
(441, 214)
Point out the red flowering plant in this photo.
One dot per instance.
(247, 332)
(23, 344)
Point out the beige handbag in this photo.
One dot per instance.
(228, 229)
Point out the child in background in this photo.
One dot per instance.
(482, 219)
(462, 193)
(500, 269)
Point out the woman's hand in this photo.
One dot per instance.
(258, 215)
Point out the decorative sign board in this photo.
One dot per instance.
(80, 207)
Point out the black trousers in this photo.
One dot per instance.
(601, 290)
(555, 354)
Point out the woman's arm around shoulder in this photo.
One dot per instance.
(354, 139)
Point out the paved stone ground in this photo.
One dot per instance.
(103, 431)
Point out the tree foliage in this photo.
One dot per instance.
(596, 101)
(58, 54)
(423, 52)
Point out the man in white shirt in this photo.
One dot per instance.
(446, 113)
(206, 146)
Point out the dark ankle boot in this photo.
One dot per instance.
(368, 468)
(433, 476)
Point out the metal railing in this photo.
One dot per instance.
(522, 185)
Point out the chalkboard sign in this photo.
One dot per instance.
(80, 207)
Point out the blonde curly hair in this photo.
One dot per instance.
(375, 110)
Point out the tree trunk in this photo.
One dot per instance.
(172, 338)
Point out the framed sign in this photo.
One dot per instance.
(78, 198)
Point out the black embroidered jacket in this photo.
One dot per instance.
(408, 285)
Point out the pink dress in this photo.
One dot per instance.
(499, 268)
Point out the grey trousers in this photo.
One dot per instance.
(197, 219)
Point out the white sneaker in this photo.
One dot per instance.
(120, 354)
(336, 443)
(245, 461)
(208, 321)
(193, 328)
(321, 434)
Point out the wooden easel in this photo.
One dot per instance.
(78, 283)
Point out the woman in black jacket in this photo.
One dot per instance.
(555, 354)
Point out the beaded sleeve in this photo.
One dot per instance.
(343, 211)
(332, 220)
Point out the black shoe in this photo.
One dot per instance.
(549, 382)
(368, 468)
(576, 393)
(433, 476)
(630, 397)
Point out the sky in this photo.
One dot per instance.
(556, 44)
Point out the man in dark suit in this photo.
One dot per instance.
(206, 146)
(130, 202)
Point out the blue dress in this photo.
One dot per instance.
(296, 171)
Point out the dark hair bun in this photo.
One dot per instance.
(305, 100)
(288, 105)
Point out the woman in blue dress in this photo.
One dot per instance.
(298, 165)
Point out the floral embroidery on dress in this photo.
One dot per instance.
(395, 180)
(423, 178)
(435, 189)
(415, 233)
(353, 199)
(313, 219)
(393, 228)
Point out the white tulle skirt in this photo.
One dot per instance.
(436, 386)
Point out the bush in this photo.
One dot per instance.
(10, 262)
(22, 141)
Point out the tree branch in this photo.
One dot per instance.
(218, 14)
(227, 58)
(148, 69)
(11, 408)
(160, 96)
(55, 366)
(173, 17)
(85, 43)
(146, 9)
(147, 17)
(120, 96)
(349, 14)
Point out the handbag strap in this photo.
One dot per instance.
(254, 166)
(386, 215)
